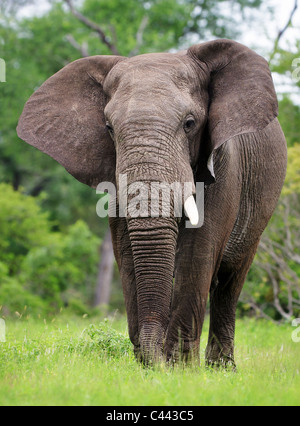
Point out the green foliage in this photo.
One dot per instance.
(292, 182)
(34, 260)
(110, 342)
(286, 64)
(23, 226)
(284, 60)
(209, 18)
(161, 24)
(289, 119)
(157, 25)
(67, 200)
(16, 300)
(67, 264)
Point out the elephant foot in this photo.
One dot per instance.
(217, 357)
(148, 359)
(184, 353)
(149, 351)
(224, 362)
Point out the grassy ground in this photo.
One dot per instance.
(70, 362)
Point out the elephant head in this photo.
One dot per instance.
(156, 118)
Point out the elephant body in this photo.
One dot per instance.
(205, 115)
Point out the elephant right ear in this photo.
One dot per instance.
(65, 119)
(242, 96)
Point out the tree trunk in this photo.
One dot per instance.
(105, 274)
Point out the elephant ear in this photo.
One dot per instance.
(65, 119)
(242, 96)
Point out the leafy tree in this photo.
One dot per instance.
(64, 268)
(55, 267)
(22, 226)
(292, 182)
(289, 113)
(286, 63)
(155, 25)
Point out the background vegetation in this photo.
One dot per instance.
(51, 239)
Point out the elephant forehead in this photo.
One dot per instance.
(159, 62)
(146, 111)
(144, 102)
(158, 70)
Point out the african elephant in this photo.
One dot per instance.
(208, 114)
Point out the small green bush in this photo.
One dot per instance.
(109, 341)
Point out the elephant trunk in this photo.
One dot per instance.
(152, 222)
(153, 242)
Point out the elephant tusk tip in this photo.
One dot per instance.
(194, 221)
(191, 210)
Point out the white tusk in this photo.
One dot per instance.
(191, 210)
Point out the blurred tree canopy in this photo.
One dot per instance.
(39, 191)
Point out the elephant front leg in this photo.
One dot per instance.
(193, 276)
(183, 337)
(220, 347)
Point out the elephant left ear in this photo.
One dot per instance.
(242, 96)
(65, 119)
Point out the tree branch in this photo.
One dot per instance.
(281, 33)
(276, 291)
(82, 49)
(93, 26)
(139, 36)
(257, 309)
(284, 29)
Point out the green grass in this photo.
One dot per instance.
(70, 362)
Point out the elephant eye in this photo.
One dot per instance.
(110, 129)
(189, 124)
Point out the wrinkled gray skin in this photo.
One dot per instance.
(162, 118)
